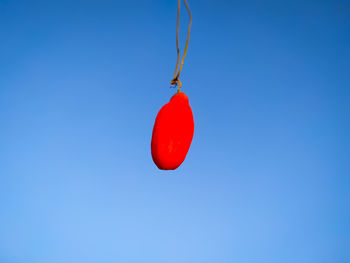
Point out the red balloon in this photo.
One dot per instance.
(172, 133)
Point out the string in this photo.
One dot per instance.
(176, 81)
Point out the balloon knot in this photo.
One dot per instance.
(175, 82)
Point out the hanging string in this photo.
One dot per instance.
(176, 81)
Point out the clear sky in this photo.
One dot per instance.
(266, 179)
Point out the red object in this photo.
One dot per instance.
(172, 133)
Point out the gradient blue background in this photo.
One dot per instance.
(267, 175)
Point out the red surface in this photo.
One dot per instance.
(172, 133)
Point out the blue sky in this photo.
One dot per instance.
(267, 175)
